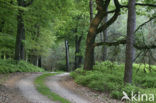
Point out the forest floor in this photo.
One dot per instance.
(19, 88)
(9, 93)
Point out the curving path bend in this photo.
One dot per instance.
(53, 83)
(28, 90)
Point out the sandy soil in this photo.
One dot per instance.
(9, 93)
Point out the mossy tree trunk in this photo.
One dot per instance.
(95, 29)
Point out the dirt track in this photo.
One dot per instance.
(29, 91)
(19, 88)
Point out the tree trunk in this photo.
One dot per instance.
(91, 18)
(23, 45)
(67, 55)
(33, 60)
(78, 57)
(95, 28)
(104, 39)
(91, 9)
(20, 37)
(40, 61)
(19, 48)
(89, 55)
(131, 26)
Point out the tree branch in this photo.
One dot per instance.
(139, 4)
(116, 43)
(147, 47)
(123, 41)
(145, 23)
(108, 12)
(112, 20)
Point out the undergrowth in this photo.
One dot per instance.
(10, 66)
(108, 77)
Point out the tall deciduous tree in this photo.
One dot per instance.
(19, 48)
(67, 55)
(104, 36)
(131, 26)
(78, 57)
(95, 29)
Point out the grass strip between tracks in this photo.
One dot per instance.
(44, 90)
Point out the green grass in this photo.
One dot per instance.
(43, 89)
(108, 77)
(11, 66)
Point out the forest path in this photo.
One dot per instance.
(63, 85)
(28, 90)
(55, 84)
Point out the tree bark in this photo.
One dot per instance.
(91, 9)
(95, 29)
(20, 37)
(104, 39)
(78, 58)
(19, 48)
(40, 61)
(131, 26)
(89, 55)
(67, 55)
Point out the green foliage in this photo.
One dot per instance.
(10, 66)
(108, 77)
(9, 46)
(43, 89)
(61, 65)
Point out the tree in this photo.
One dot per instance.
(95, 29)
(91, 9)
(131, 26)
(67, 55)
(78, 57)
(19, 48)
(104, 36)
(7, 28)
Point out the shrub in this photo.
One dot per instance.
(116, 94)
(108, 77)
(10, 66)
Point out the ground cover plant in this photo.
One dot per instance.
(11, 66)
(108, 77)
